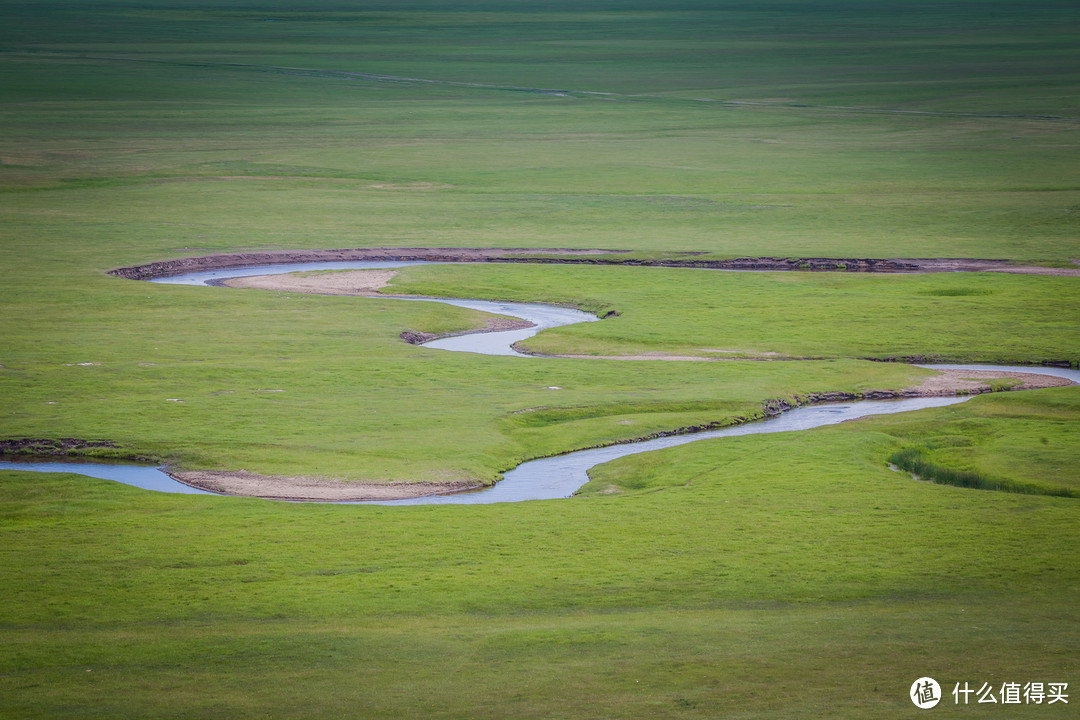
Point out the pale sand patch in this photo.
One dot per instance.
(410, 186)
(955, 382)
(346, 282)
(247, 484)
(642, 356)
(738, 355)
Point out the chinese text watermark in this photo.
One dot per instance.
(926, 693)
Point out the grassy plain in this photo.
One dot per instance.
(763, 577)
(944, 317)
(759, 577)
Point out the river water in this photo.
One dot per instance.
(546, 478)
(499, 343)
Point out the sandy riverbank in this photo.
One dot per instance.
(364, 283)
(271, 487)
(973, 382)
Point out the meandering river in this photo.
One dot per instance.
(547, 478)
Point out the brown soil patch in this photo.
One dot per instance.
(956, 382)
(729, 355)
(35, 447)
(247, 484)
(499, 323)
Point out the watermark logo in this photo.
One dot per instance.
(925, 693)
(1013, 693)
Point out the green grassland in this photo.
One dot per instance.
(769, 576)
(946, 317)
(151, 128)
(761, 576)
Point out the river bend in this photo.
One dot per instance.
(546, 478)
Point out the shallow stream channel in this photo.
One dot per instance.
(546, 478)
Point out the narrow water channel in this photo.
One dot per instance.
(547, 478)
(495, 343)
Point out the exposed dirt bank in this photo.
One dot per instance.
(45, 447)
(179, 266)
(246, 484)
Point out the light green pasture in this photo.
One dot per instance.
(783, 576)
(943, 317)
(300, 385)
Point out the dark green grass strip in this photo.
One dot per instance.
(912, 460)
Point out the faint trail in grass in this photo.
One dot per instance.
(892, 111)
(562, 92)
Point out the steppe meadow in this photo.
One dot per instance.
(795, 575)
